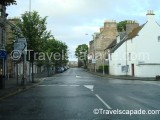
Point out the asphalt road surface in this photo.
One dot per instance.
(79, 95)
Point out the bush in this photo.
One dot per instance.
(106, 69)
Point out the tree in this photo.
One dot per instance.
(121, 26)
(58, 50)
(7, 2)
(34, 29)
(82, 53)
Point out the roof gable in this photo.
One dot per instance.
(127, 37)
(135, 32)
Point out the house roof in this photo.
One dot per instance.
(127, 37)
(135, 32)
(119, 44)
(113, 43)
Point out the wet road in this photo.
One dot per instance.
(78, 95)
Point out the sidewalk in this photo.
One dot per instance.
(123, 77)
(11, 87)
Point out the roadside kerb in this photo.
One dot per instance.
(22, 89)
(122, 77)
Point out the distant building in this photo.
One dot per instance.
(73, 64)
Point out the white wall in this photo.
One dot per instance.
(143, 48)
(117, 60)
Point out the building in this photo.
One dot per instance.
(100, 42)
(2, 37)
(10, 38)
(73, 64)
(136, 53)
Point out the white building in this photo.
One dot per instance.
(137, 53)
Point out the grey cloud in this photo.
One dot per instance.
(65, 15)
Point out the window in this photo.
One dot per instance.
(111, 56)
(158, 38)
(129, 56)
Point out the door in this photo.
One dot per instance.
(133, 70)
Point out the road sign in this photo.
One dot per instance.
(93, 60)
(90, 56)
(3, 54)
(21, 45)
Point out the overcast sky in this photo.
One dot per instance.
(71, 20)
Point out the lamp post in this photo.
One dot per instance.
(94, 49)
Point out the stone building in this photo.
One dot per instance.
(100, 42)
(2, 36)
(10, 37)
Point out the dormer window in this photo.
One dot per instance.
(158, 38)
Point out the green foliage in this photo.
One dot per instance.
(121, 26)
(82, 53)
(40, 40)
(8, 2)
(58, 50)
(106, 69)
(9, 48)
(34, 29)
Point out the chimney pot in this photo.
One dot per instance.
(150, 12)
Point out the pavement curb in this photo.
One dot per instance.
(122, 78)
(21, 89)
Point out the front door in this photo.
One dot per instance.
(133, 70)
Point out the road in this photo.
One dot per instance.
(79, 95)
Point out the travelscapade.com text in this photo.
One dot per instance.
(101, 111)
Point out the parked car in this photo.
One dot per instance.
(65, 68)
(59, 69)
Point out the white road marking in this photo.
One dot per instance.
(41, 85)
(74, 85)
(77, 76)
(50, 85)
(90, 87)
(62, 85)
(103, 101)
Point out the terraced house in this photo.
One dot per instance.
(136, 53)
(99, 43)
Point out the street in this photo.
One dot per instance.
(79, 95)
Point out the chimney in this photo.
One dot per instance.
(110, 23)
(150, 16)
(101, 29)
(131, 25)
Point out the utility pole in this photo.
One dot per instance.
(30, 6)
(31, 63)
(126, 67)
(103, 58)
(94, 49)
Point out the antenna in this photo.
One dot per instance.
(30, 6)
